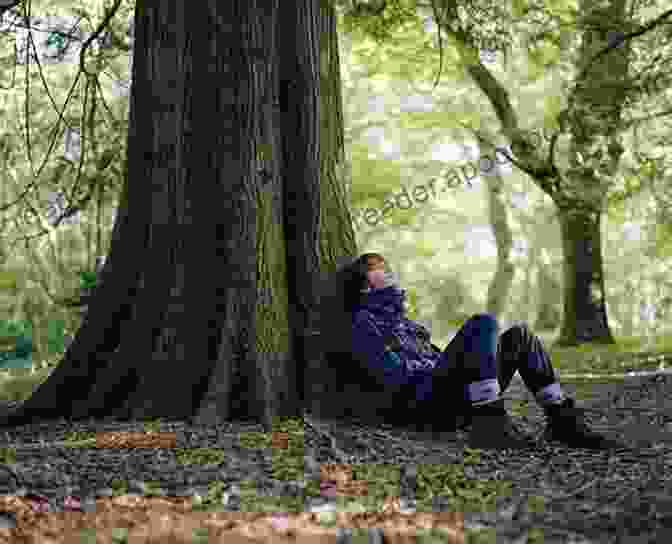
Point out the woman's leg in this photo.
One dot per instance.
(470, 361)
(485, 364)
(519, 349)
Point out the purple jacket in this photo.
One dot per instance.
(380, 321)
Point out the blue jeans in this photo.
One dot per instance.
(476, 353)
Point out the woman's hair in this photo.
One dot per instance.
(355, 279)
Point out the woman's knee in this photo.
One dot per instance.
(521, 329)
(521, 326)
(484, 319)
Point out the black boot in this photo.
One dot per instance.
(492, 428)
(440, 417)
(566, 424)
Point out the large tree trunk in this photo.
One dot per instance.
(585, 317)
(173, 329)
(207, 300)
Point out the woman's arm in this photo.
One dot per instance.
(369, 348)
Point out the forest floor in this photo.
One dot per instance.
(552, 494)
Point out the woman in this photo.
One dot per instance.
(479, 363)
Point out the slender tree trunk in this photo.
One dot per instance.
(549, 293)
(628, 308)
(543, 293)
(500, 286)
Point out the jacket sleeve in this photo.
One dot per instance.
(369, 349)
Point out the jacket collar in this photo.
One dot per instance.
(386, 300)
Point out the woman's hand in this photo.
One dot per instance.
(424, 333)
(392, 343)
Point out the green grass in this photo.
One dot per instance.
(607, 359)
(383, 480)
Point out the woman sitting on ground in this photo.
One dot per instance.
(478, 361)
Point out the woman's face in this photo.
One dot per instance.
(376, 275)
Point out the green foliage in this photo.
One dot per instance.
(88, 279)
(16, 345)
(373, 178)
(18, 387)
(56, 336)
(453, 307)
(618, 199)
(411, 304)
(100, 167)
(9, 280)
(377, 184)
(23, 347)
(663, 240)
(540, 57)
(379, 20)
(15, 329)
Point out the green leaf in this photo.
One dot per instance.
(89, 279)
(519, 7)
(566, 10)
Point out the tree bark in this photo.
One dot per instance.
(299, 81)
(207, 307)
(337, 243)
(317, 219)
(171, 331)
(585, 316)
